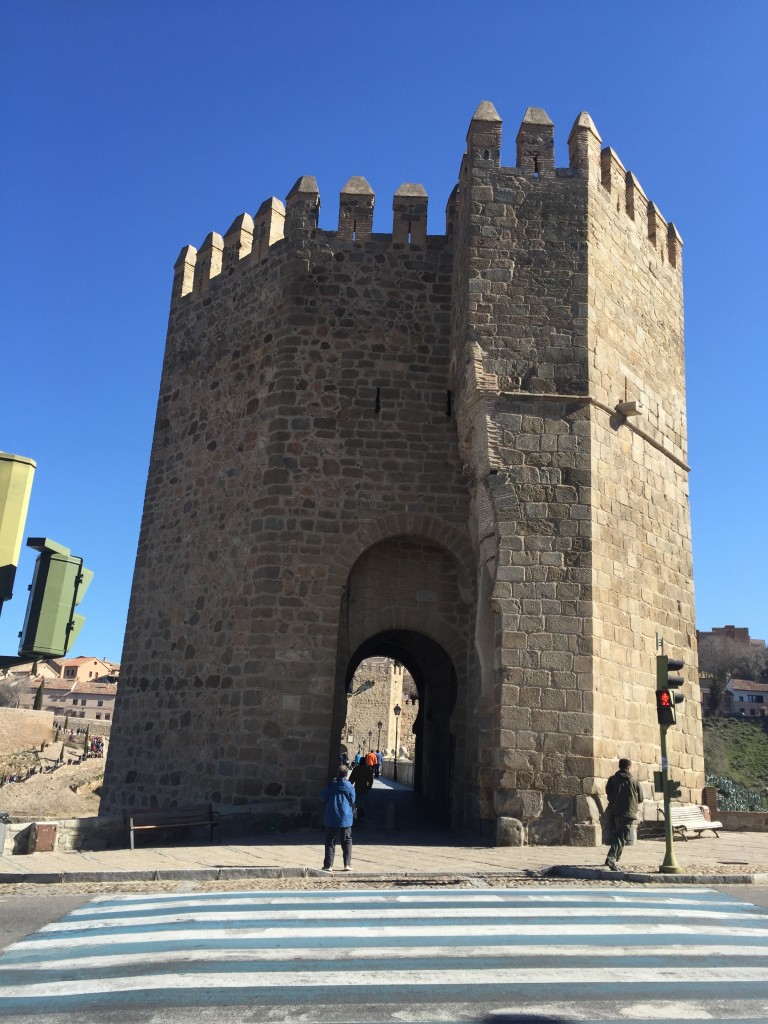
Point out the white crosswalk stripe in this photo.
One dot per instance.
(628, 954)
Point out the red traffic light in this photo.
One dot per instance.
(665, 707)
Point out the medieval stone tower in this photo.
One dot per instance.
(465, 451)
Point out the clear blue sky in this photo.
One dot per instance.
(131, 129)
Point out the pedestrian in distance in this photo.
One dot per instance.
(624, 795)
(379, 761)
(339, 799)
(362, 779)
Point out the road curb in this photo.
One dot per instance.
(233, 874)
(645, 877)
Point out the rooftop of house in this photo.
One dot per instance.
(747, 684)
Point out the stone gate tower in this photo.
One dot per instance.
(465, 451)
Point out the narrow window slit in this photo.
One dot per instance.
(377, 403)
(448, 404)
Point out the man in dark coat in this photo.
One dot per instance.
(339, 799)
(362, 779)
(624, 795)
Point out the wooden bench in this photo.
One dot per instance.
(690, 818)
(171, 817)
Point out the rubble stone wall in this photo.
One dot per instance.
(24, 730)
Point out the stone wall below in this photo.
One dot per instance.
(22, 729)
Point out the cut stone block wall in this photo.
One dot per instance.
(417, 446)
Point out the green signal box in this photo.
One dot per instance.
(673, 788)
(51, 625)
(16, 473)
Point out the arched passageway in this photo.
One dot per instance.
(403, 600)
(435, 678)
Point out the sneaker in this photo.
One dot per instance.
(347, 867)
(329, 870)
(612, 865)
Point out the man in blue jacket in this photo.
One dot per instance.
(339, 799)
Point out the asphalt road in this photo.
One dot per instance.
(555, 953)
(757, 895)
(22, 915)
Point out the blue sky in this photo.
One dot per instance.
(130, 129)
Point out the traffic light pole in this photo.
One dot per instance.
(670, 865)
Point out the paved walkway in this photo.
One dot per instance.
(398, 838)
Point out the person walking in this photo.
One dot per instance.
(339, 799)
(362, 779)
(624, 795)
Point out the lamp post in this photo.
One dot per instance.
(398, 709)
(378, 741)
(370, 736)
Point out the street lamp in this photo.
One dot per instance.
(398, 709)
(378, 741)
(370, 737)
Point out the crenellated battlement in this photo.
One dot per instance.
(251, 237)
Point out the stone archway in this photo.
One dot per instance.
(405, 598)
(435, 678)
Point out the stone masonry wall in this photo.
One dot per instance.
(525, 427)
(642, 568)
(464, 452)
(302, 396)
(24, 730)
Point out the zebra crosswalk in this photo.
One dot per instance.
(472, 955)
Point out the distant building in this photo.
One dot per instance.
(78, 669)
(378, 686)
(727, 639)
(83, 669)
(743, 696)
(72, 687)
(721, 650)
(92, 700)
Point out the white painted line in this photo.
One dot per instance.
(383, 913)
(416, 895)
(344, 954)
(251, 900)
(364, 931)
(622, 976)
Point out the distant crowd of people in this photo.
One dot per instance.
(95, 749)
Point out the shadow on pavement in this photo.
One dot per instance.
(396, 814)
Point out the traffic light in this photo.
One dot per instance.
(673, 789)
(16, 472)
(666, 685)
(58, 585)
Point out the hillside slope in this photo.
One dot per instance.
(737, 748)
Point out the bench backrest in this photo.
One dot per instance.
(161, 815)
(691, 813)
